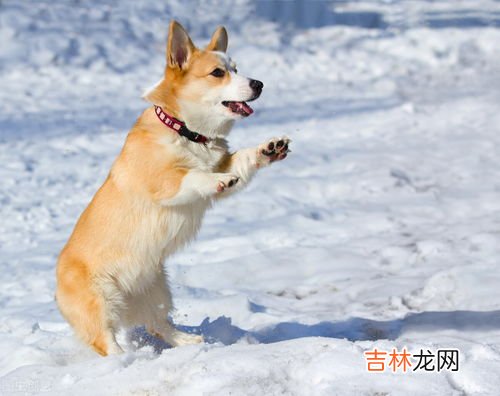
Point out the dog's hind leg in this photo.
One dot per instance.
(175, 337)
(85, 308)
(159, 301)
(104, 343)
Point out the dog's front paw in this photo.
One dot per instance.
(275, 149)
(226, 181)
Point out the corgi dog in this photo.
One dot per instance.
(174, 164)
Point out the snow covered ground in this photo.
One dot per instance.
(381, 230)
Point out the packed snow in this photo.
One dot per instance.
(381, 229)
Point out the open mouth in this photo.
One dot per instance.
(241, 108)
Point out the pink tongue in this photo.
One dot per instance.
(242, 106)
(247, 109)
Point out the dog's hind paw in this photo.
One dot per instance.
(180, 338)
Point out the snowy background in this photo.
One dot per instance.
(382, 229)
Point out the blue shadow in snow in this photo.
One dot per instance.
(304, 14)
(221, 330)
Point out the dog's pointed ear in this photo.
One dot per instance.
(219, 40)
(179, 46)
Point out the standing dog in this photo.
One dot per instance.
(174, 163)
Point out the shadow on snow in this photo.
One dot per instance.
(221, 330)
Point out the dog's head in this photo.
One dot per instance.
(203, 83)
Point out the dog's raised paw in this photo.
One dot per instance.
(227, 181)
(275, 149)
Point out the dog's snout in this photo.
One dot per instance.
(256, 85)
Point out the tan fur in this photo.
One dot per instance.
(110, 273)
(202, 63)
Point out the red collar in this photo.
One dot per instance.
(179, 126)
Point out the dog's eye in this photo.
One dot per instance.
(218, 73)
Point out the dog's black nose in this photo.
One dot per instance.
(256, 85)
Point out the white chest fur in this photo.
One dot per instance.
(161, 229)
